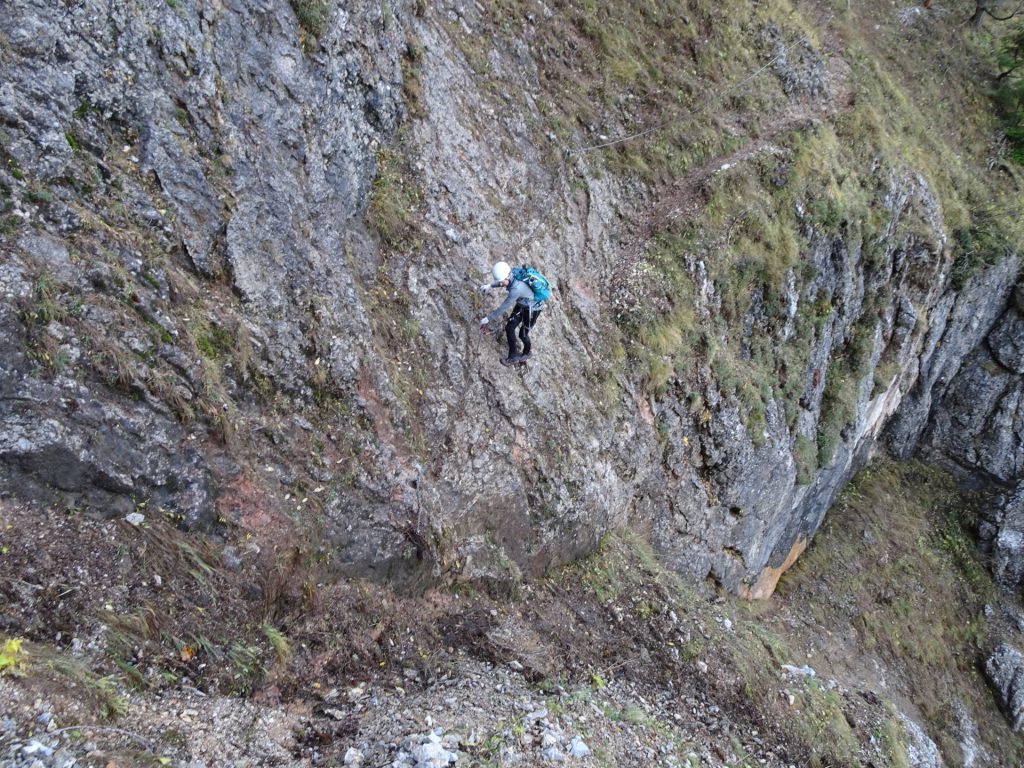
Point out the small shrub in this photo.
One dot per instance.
(412, 88)
(894, 744)
(9, 224)
(1009, 94)
(312, 15)
(753, 410)
(278, 642)
(978, 246)
(805, 454)
(247, 670)
(84, 108)
(112, 705)
(885, 372)
(393, 199)
(40, 196)
(12, 658)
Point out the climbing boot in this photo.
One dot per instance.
(510, 360)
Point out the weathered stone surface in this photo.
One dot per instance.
(922, 752)
(61, 443)
(1001, 534)
(976, 423)
(976, 427)
(1005, 670)
(244, 153)
(959, 323)
(1007, 341)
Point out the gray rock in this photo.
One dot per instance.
(1007, 341)
(578, 748)
(230, 558)
(922, 752)
(264, 157)
(1005, 671)
(1001, 536)
(554, 755)
(433, 755)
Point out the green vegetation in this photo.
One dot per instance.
(677, 76)
(805, 455)
(842, 385)
(894, 744)
(625, 576)
(278, 642)
(312, 16)
(896, 560)
(52, 302)
(84, 109)
(412, 88)
(12, 659)
(40, 195)
(981, 244)
(393, 200)
(1009, 90)
(214, 341)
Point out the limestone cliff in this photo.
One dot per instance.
(240, 250)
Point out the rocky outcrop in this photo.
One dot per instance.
(67, 443)
(227, 149)
(1005, 670)
(197, 314)
(1001, 537)
(977, 421)
(976, 428)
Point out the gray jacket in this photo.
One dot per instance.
(518, 293)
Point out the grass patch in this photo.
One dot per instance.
(278, 642)
(393, 200)
(839, 400)
(622, 564)
(412, 87)
(983, 242)
(805, 454)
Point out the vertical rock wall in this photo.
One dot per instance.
(209, 169)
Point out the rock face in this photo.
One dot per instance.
(1005, 669)
(197, 315)
(1001, 534)
(977, 429)
(194, 122)
(977, 421)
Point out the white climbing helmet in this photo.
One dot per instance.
(501, 271)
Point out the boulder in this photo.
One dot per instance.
(1001, 536)
(1007, 341)
(1005, 671)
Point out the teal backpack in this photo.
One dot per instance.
(538, 283)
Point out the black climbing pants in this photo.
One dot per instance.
(523, 319)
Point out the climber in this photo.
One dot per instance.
(527, 291)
